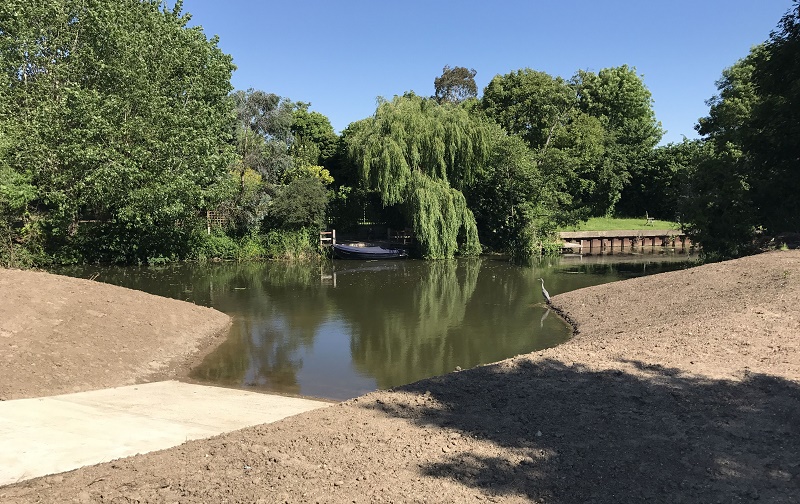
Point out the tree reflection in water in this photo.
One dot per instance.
(277, 311)
(407, 324)
(340, 329)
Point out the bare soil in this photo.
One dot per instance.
(680, 387)
(61, 335)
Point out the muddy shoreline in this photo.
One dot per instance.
(679, 387)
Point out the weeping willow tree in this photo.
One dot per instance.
(419, 155)
(441, 220)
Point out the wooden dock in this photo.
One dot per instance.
(327, 238)
(591, 242)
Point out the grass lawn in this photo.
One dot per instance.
(614, 224)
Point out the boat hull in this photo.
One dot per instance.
(350, 252)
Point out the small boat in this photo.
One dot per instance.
(350, 252)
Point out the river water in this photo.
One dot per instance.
(344, 328)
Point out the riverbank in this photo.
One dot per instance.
(60, 335)
(680, 387)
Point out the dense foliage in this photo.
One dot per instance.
(117, 110)
(660, 185)
(314, 138)
(744, 189)
(261, 135)
(517, 208)
(593, 131)
(121, 140)
(418, 155)
(455, 85)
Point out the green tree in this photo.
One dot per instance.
(746, 187)
(771, 142)
(455, 85)
(122, 117)
(619, 99)
(568, 144)
(18, 241)
(530, 104)
(732, 107)
(592, 131)
(516, 207)
(576, 162)
(418, 154)
(263, 133)
(300, 204)
(720, 213)
(314, 139)
(660, 187)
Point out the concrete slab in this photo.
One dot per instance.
(48, 435)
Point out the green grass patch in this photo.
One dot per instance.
(617, 224)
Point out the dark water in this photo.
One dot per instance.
(344, 328)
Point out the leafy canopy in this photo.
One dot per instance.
(314, 139)
(419, 154)
(747, 184)
(455, 85)
(122, 117)
(592, 131)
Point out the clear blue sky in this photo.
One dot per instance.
(341, 55)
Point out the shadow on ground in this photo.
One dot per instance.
(568, 435)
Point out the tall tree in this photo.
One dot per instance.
(263, 132)
(530, 104)
(747, 186)
(122, 114)
(732, 107)
(593, 130)
(619, 99)
(18, 239)
(455, 85)
(314, 138)
(568, 144)
(720, 213)
(774, 128)
(419, 155)
(576, 160)
(660, 187)
(516, 207)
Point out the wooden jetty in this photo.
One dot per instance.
(327, 238)
(591, 242)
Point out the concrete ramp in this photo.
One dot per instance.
(48, 435)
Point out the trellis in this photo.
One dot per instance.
(215, 220)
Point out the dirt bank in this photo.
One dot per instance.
(61, 334)
(683, 387)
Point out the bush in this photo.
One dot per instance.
(251, 248)
(302, 244)
(298, 245)
(301, 203)
(216, 246)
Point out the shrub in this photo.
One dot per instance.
(294, 245)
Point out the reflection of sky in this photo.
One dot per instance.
(330, 356)
(259, 343)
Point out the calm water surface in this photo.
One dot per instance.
(344, 328)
